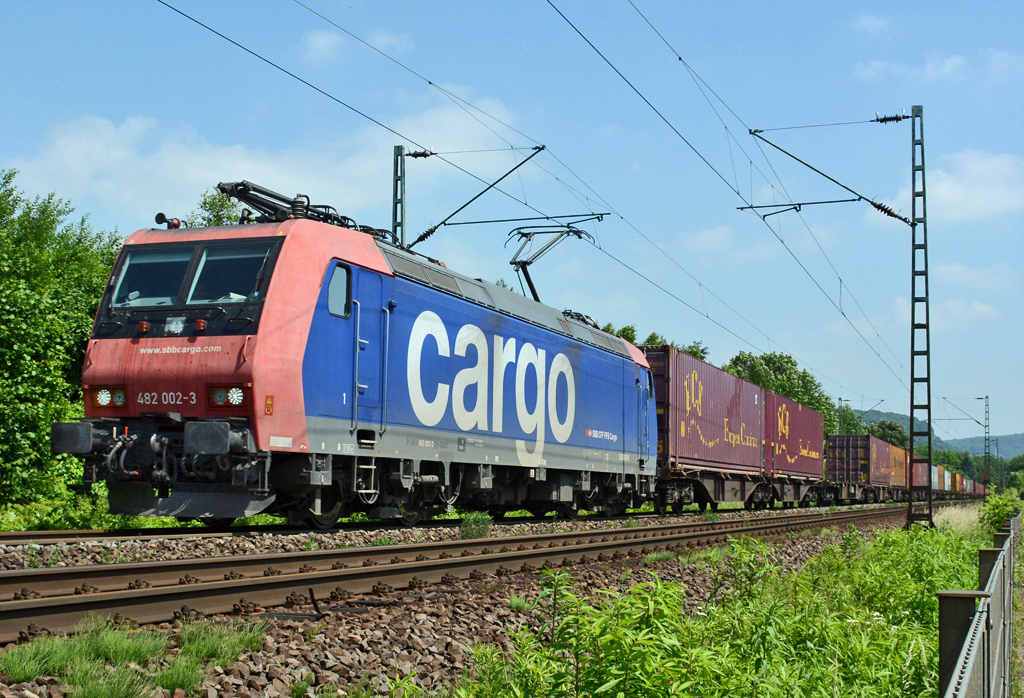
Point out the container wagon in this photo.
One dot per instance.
(724, 439)
(858, 468)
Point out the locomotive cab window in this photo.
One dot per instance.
(152, 277)
(230, 274)
(338, 292)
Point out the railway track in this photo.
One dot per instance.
(150, 592)
(13, 538)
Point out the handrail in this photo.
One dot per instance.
(976, 646)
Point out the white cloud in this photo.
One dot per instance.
(873, 25)
(395, 44)
(127, 172)
(935, 68)
(968, 185)
(321, 47)
(997, 277)
(955, 315)
(1005, 67)
(719, 246)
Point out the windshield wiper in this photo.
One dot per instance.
(259, 278)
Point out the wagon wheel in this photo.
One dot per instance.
(412, 514)
(332, 508)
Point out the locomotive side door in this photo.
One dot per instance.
(369, 344)
(645, 388)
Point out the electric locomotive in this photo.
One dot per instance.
(303, 365)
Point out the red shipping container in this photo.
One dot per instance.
(857, 458)
(920, 474)
(707, 418)
(794, 437)
(898, 461)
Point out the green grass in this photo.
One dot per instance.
(99, 659)
(475, 524)
(382, 541)
(518, 603)
(660, 556)
(860, 619)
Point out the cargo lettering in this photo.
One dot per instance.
(738, 438)
(533, 419)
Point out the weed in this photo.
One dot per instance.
(707, 515)
(382, 541)
(827, 532)
(997, 508)
(475, 524)
(626, 574)
(326, 691)
(310, 544)
(518, 603)
(660, 556)
(183, 671)
(299, 688)
(630, 523)
(219, 644)
(310, 634)
(962, 519)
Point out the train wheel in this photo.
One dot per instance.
(217, 523)
(570, 511)
(412, 514)
(330, 511)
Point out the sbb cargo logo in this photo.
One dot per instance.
(531, 418)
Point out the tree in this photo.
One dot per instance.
(215, 208)
(655, 340)
(781, 373)
(627, 332)
(52, 274)
(890, 432)
(697, 350)
(849, 421)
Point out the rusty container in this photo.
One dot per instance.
(920, 476)
(857, 458)
(794, 438)
(707, 419)
(898, 464)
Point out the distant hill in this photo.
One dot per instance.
(872, 416)
(1010, 445)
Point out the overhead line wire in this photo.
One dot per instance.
(698, 81)
(572, 190)
(455, 98)
(339, 101)
(777, 235)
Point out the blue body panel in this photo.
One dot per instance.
(439, 359)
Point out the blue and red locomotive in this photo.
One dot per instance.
(308, 366)
(301, 367)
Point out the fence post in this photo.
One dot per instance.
(986, 562)
(1001, 539)
(956, 611)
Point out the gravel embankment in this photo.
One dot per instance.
(428, 634)
(14, 557)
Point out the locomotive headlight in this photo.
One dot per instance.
(225, 396)
(109, 398)
(220, 397)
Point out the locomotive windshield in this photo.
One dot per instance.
(229, 274)
(152, 277)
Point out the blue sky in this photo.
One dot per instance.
(127, 108)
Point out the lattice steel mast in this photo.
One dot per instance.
(920, 341)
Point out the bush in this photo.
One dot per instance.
(476, 524)
(998, 508)
(857, 620)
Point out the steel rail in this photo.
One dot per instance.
(160, 603)
(60, 581)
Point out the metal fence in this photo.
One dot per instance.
(976, 644)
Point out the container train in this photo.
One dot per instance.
(303, 365)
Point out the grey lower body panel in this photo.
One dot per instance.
(335, 436)
(187, 500)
